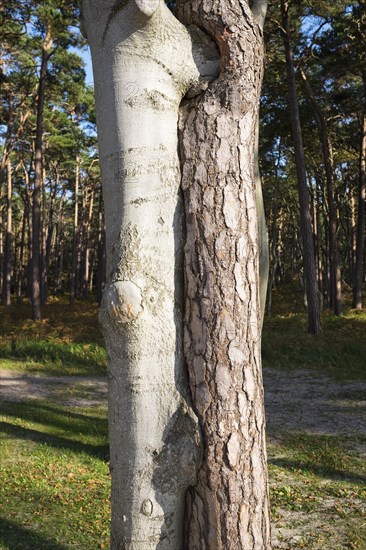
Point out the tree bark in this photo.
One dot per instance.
(7, 268)
(228, 507)
(151, 61)
(360, 234)
(312, 291)
(36, 298)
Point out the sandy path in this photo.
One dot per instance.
(301, 400)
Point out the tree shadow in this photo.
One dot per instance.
(323, 471)
(62, 418)
(17, 537)
(98, 451)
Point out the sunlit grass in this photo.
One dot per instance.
(66, 341)
(340, 350)
(55, 478)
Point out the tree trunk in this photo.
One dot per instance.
(100, 278)
(6, 288)
(21, 253)
(151, 61)
(327, 151)
(360, 235)
(353, 234)
(228, 507)
(312, 291)
(37, 189)
(76, 237)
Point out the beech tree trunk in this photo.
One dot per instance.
(162, 448)
(312, 291)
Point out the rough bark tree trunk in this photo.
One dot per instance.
(150, 62)
(312, 291)
(228, 507)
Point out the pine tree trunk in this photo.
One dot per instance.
(360, 235)
(327, 151)
(36, 297)
(100, 276)
(312, 291)
(76, 236)
(21, 253)
(353, 234)
(7, 268)
(228, 507)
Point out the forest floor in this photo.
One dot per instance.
(54, 454)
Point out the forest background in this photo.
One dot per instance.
(52, 267)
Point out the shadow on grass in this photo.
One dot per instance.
(318, 470)
(98, 451)
(90, 357)
(62, 418)
(16, 537)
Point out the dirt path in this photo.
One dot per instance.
(300, 401)
(73, 391)
(304, 401)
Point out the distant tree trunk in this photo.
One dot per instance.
(76, 236)
(353, 234)
(101, 267)
(312, 291)
(36, 297)
(7, 268)
(21, 253)
(327, 151)
(319, 252)
(48, 237)
(88, 214)
(360, 235)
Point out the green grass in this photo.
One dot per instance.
(54, 463)
(340, 351)
(318, 490)
(66, 342)
(55, 478)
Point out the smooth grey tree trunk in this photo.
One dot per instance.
(145, 62)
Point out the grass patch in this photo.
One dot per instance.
(55, 479)
(340, 351)
(66, 342)
(318, 492)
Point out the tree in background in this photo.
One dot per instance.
(48, 115)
